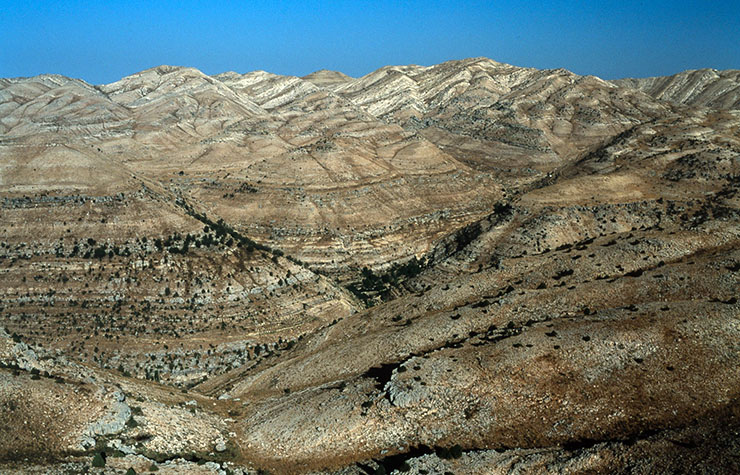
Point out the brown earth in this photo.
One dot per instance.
(468, 267)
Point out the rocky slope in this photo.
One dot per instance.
(468, 267)
(701, 87)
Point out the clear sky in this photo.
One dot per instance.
(102, 41)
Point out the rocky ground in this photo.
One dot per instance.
(463, 268)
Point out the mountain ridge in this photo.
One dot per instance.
(699, 87)
(468, 267)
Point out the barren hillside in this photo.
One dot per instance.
(701, 87)
(469, 267)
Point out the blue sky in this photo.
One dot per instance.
(103, 41)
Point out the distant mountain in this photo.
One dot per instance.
(329, 134)
(700, 87)
(324, 77)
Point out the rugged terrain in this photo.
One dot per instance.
(469, 267)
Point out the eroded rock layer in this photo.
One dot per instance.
(468, 267)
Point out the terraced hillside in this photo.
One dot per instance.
(469, 267)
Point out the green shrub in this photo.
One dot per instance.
(455, 451)
(98, 460)
(131, 422)
(100, 252)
